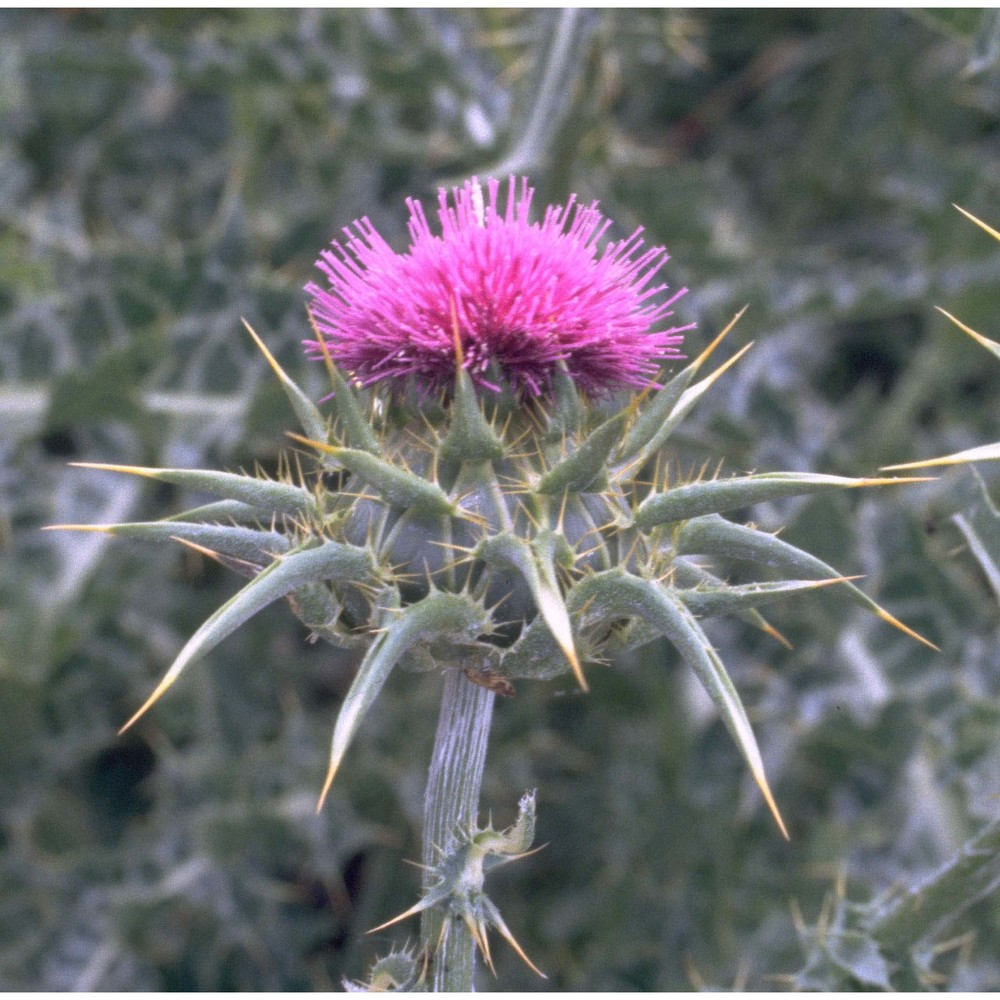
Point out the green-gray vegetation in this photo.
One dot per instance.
(163, 174)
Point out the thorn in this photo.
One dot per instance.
(324, 348)
(329, 449)
(148, 704)
(575, 664)
(443, 936)
(451, 545)
(478, 931)
(104, 529)
(200, 549)
(705, 354)
(330, 775)
(896, 623)
(275, 367)
(459, 358)
(892, 481)
(768, 629)
(505, 933)
(134, 470)
(411, 912)
(979, 222)
(771, 804)
(710, 379)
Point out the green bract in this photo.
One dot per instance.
(506, 537)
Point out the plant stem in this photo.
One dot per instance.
(451, 803)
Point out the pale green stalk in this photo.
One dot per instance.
(451, 803)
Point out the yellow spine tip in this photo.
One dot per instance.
(103, 529)
(896, 623)
(770, 630)
(459, 356)
(330, 775)
(574, 662)
(275, 367)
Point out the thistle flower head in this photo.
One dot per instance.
(512, 298)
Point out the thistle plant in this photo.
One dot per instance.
(489, 498)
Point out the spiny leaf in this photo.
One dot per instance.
(440, 615)
(329, 561)
(535, 561)
(924, 911)
(690, 574)
(220, 510)
(567, 412)
(622, 594)
(470, 437)
(717, 495)
(685, 403)
(243, 543)
(264, 495)
(664, 399)
(356, 429)
(707, 602)
(395, 484)
(585, 464)
(713, 535)
(983, 453)
(305, 409)
(513, 843)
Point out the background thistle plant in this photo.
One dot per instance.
(516, 494)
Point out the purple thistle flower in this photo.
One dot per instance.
(522, 296)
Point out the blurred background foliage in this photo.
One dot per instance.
(163, 174)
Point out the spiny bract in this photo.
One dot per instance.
(500, 524)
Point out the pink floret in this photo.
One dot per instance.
(523, 296)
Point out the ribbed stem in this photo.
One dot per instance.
(451, 803)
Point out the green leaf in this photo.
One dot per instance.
(470, 437)
(620, 594)
(536, 562)
(107, 390)
(646, 434)
(583, 467)
(396, 485)
(440, 615)
(244, 543)
(264, 495)
(329, 561)
(718, 495)
(309, 417)
(713, 535)
(925, 911)
(985, 43)
(710, 601)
